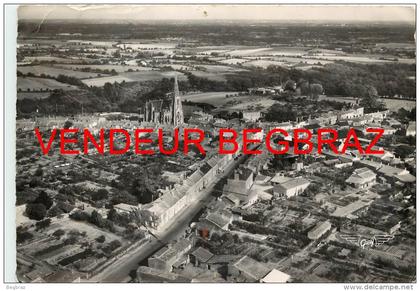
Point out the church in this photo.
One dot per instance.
(165, 111)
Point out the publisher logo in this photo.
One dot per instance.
(364, 243)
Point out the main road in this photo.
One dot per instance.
(119, 270)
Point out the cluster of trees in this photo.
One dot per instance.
(94, 218)
(22, 234)
(99, 194)
(336, 79)
(37, 209)
(281, 113)
(141, 182)
(99, 71)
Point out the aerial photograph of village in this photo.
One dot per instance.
(321, 217)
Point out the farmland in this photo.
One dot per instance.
(213, 98)
(41, 84)
(231, 101)
(54, 72)
(141, 76)
(217, 62)
(395, 104)
(32, 95)
(117, 68)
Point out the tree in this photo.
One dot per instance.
(54, 211)
(100, 194)
(403, 151)
(21, 236)
(113, 215)
(100, 239)
(79, 215)
(280, 113)
(96, 219)
(35, 182)
(39, 171)
(115, 244)
(290, 85)
(58, 233)
(304, 87)
(68, 124)
(43, 198)
(43, 223)
(370, 100)
(36, 211)
(316, 90)
(116, 54)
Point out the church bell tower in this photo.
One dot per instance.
(177, 113)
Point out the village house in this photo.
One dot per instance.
(251, 115)
(362, 178)
(168, 256)
(291, 187)
(247, 269)
(319, 230)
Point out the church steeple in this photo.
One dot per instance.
(176, 89)
(177, 113)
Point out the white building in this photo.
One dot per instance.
(291, 187)
(362, 178)
(251, 115)
(276, 276)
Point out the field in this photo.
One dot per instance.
(231, 103)
(92, 231)
(210, 76)
(141, 76)
(148, 46)
(51, 59)
(213, 98)
(117, 68)
(232, 61)
(350, 100)
(243, 103)
(249, 52)
(264, 63)
(394, 104)
(391, 104)
(32, 95)
(54, 72)
(41, 84)
(359, 59)
(218, 69)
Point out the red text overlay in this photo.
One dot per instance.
(117, 141)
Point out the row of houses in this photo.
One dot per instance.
(169, 263)
(173, 201)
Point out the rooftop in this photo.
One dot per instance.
(202, 255)
(252, 268)
(275, 276)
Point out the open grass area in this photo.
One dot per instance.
(54, 71)
(41, 84)
(50, 59)
(232, 103)
(394, 104)
(117, 68)
(91, 230)
(213, 98)
(32, 95)
(141, 76)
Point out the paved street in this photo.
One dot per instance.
(119, 271)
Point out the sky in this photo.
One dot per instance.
(318, 13)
